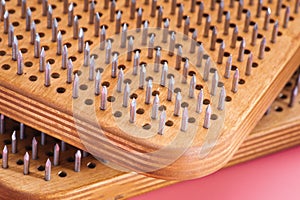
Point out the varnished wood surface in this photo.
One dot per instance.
(276, 131)
(46, 110)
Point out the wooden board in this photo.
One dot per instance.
(103, 182)
(45, 109)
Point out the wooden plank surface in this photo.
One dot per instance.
(45, 109)
(103, 182)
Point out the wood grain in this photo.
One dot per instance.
(103, 182)
(46, 110)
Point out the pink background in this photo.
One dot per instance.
(276, 176)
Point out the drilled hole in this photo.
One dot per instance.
(183, 59)
(247, 51)
(41, 34)
(118, 114)
(283, 96)
(99, 69)
(104, 25)
(288, 84)
(191, 120)
(178, 45)
(58, 19)
(84, 29)
(11, 11)
(137, 50)
(24, 50)
(198, 87)
(206, 101)
(110, 39)
(140, 111)
(46, 48)
(37, 21)
(157, 47)
(239, 38)
(83, 87)
(55, 75)
(20, 162)
(111, 99)
(133, 95)
(88, 102)
(15, 23)
(149, 78)
(170, 75)
(143, 63)
(259, 36)
(33, 78)
(123, 67)
(176, 90)
(51, 61)
(228, 98)
(62, 174)
(242, 81)
(226, 54)
(219, 40)
(89, 42)
(91, 165)
(41, 168)
(205, 56)
(155, 92)
(60, 90)
(68, 44)
(28, 64)
(191, 73)
(245, 10)
(278, 109)
(220, 84)
(78, 16)
(169, 123)
(267, 49)
(73, 58)
(184, 104)
(254, 64)
(232, 25)
(163, 62)
(127, 81)
(212, 70)
(5, 66)
(147, 126)
(106, 84)
(214, 117)
(94, 55)
(162, 107)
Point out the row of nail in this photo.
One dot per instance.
(94, 18)
(34, 150)
(62, 50)
(78, 33)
